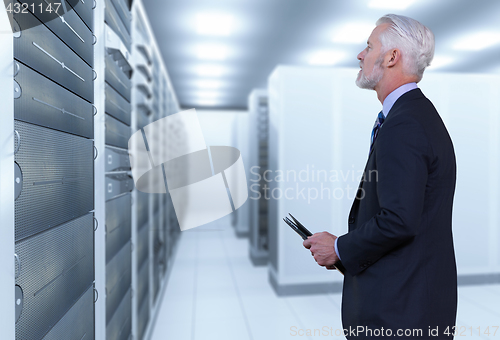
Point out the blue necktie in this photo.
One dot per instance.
(376, 128)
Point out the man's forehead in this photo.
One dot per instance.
(376, 32)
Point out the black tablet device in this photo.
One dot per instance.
(297, 227)
(304, 233)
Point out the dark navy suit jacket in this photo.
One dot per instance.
(398, 253)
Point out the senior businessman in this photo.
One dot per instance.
(400, 278)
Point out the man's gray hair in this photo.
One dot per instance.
(414, 40)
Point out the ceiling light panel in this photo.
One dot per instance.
(208, 84)
(212, 52)
(326, 58)
(209, 70)
(353, 33)
(391, 4)
(207, 102)
(208, 95)
(214, 24)
(478, 41)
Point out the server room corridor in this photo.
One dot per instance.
(214, 292)
(127, 125)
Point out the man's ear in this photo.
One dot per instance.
(394, 57)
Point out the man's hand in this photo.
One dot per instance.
(322, 247)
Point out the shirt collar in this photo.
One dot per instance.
(394, 95)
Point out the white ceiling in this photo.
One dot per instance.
(271, 32)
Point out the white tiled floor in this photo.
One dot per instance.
(215, 293)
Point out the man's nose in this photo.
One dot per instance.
(361, 55)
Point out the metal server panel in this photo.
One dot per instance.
(117, 184)
(114, 21)
(117, 133)
(118, 280)
(85, 10)
(142, 208)
(143, 317)
(116, 105)
(142, 244)
(123, 12)
(143, 282)
(55, 181)
(54, 269)
(155, 255)
(40, 101)
(117, 79)
(78, 322)
(117, 160)
(41, 50)
(69, 28)
(118, 224)
(142, 118)
(120, 326)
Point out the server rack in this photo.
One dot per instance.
(153, 98)
(7, 249)
(91, 253)
(259, 126)
(54, 174)
(118, 183)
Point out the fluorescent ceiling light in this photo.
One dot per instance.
(212, 52)
(391, 4)
(440, 61)
(209, 84)
(214, 24)
(207, 102)
(478, 41)
(326, 58)
(209, 70)
(208, 95)
(353, 33)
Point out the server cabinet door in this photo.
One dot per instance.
(78, 322)
(142, 208)
(114, 21)
(143, 281)
(119, 327)
(55, 268)
(118, 224)
(117, 106)
(41, 50)
(68, 27)
(117, 133)
(123, 12)
(84, 9)
(117, 160)
(142, 245)
(57, 178)
(43, 102)
(117, 185)
(117, 79)
(143, 316)
(118, 280)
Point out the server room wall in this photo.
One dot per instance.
(240, 137)
(339, 145)
(258, 125)
(218, 126)
(91, 253)
(230, 128)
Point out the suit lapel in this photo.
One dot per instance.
(413, 94)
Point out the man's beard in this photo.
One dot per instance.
(369, 82)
